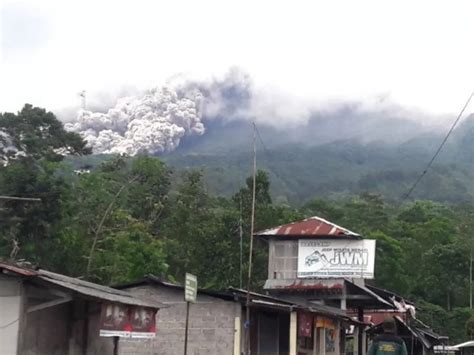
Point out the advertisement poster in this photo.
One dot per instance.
(118, 320)
(305, 325)
(329, 258)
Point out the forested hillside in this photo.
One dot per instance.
(127, 217)
(319, 160)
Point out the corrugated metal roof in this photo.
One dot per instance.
(304, 284)
(372, 294)
(312, 227)
(18, 269)
(84, 288)
(466, 344)
(93, 290)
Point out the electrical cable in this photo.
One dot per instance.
(428, 166)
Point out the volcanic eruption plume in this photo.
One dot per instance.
(153, 123)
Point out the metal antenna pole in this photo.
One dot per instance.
(252, 220)
(82, 94)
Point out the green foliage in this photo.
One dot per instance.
(450, 323)
(470, 327)
(39, 135)
(132, 216)
(389, 262)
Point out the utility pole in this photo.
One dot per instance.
(241, 236)
(252, 220)
(470, 281)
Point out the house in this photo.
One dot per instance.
(42, 312)
(217, 322)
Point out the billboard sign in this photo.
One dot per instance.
(329, 258)
(119, 320)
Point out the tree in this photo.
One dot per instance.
(389, 262)
(37, 134)
(112, 220)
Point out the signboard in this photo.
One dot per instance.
(190, 288)
(329, 258)
(305, 324)
(118, 320)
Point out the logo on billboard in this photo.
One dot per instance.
(315, 258)
(341, 257)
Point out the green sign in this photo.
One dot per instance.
(190, 288)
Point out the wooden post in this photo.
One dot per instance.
(360, 335)
(470, 282)
(237, 335)
(293, 332)
(186, 330)
(116, 345)
(85, 328)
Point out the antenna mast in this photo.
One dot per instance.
(82, 95)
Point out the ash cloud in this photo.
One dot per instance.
(158, 120)
(154, 123)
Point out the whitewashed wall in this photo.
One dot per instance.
(10, 300)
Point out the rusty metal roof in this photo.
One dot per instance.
(304, 284)
(312, 227)
(97, 291)
(17, 269)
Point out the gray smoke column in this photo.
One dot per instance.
(153, 123)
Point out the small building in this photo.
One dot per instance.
(45, 313)
(217, 323)
(418, 337)
(317, 261)
(320, 263)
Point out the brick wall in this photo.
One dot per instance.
(211, 325)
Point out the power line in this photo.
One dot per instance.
(407, 195)
(268, 155)
(261, 140)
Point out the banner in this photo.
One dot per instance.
(329, 258)
(118, 320)
(305, 324)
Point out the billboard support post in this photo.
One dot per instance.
(186, 329)
(190, 295)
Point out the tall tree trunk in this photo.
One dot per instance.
(98, 230)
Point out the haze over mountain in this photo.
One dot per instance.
(330, 150)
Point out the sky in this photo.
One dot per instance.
(417, 54)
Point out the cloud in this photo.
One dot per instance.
(157, 120)
(152, 123)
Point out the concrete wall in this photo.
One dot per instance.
(46, 331)
(10, 308)
(59, 330)
(211, 325)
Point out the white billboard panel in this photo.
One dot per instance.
(329, 258)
